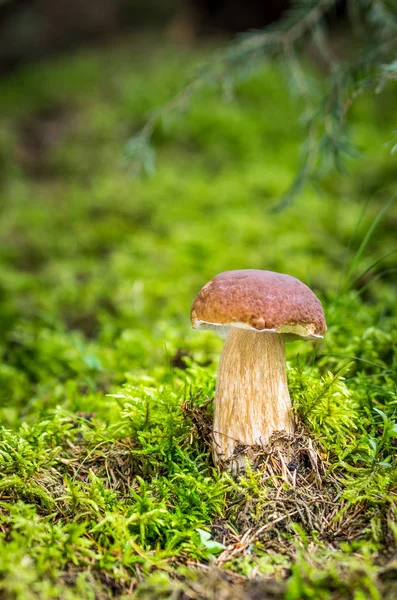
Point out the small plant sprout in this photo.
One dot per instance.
(256, 311)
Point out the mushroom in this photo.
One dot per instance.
(256, 311)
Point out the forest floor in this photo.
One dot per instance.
(107, 485)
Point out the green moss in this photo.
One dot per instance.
(107, 484)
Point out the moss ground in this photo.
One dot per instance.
(107, 487)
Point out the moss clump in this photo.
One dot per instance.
(107, 486)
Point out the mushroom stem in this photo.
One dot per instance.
(252, 399)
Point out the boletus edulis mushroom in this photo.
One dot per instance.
(257, 312)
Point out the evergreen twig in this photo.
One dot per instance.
(327, 144)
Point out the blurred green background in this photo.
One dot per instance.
(99, 268)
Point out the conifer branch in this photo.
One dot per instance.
(327, 144)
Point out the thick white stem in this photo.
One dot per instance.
(252, 399)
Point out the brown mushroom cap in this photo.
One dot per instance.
(261, 301)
